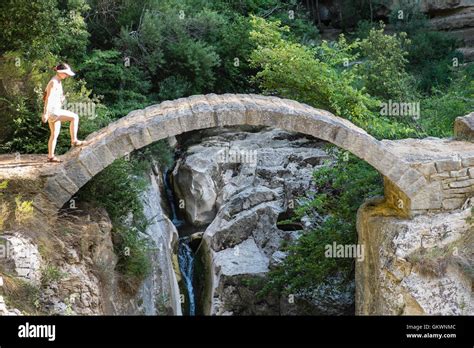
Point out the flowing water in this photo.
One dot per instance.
(185, 253)
(186, 266)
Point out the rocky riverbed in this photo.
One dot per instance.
(238, 184)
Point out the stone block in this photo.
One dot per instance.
(65, 182)
(447, 165)
(165, 127)
(228, 109)
(103, 154)
(468, 162)
(464, 127)
(203, 112)
(55, 193)
(458, 173)
(459, 184)
(77, 173)
(91, 162)
(428, 198)
(453, 203)
(119, 143)
(427, 169)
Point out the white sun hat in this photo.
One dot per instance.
(67, 71)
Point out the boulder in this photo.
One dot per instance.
(464, 127)
(242, 241)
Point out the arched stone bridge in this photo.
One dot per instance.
(420, 175)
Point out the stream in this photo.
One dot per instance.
(185, 252)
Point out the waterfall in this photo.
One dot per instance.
(186, 266)
(171, 201)
(185, 253)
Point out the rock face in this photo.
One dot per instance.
(242, 242)
(205, 179)
(75, 273)
(160, 292)
(21, 257)
(418, 266)
(453, 16)
(80, 273)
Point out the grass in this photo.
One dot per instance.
(51, 274)
(433, 262)
(21, 295)
(24, 210)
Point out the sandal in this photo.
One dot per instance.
(78, 143)
(54, 159)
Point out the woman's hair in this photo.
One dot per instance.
(60, 66)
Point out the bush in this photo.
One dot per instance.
(383, 71)
(103, 69)
(117, 188)
(439, 110)
(341, 189)
(323, 76)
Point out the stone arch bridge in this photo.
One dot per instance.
(420, 175)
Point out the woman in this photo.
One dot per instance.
(54, 114)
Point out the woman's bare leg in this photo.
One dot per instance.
(55, 129)
(68, 116)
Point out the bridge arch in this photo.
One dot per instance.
(145, 126)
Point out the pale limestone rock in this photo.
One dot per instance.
(417, 266)
(244, 258)
(464, 127)
(243, 239)
(159, 292)
(22, 257)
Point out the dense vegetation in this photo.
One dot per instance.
(129, 54)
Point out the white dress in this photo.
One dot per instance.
(55, 101)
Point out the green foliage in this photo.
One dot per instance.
(103, 69)
(321, 76)
(133, 252)
(407, 17)
(117, 188)
(431, 57)
(39, 27)
(439, 110)
(291, 70)
(159, 151)
(21, 104)
(27, 24)
(21, 294)
(383, 71)
(51, 273)
(341, 189)
(172, 43)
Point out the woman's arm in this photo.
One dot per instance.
(46, 98)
